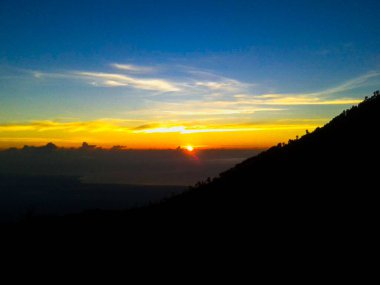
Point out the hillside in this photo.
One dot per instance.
(332, 170)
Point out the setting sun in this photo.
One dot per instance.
(189, 148)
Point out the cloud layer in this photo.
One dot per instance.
(191, 92)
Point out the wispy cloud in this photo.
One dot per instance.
(232, 99)
(224, 129)
(115, 79)
(134, 68)
(348, 85)
(201, 93)
(70, 127)
(211, 108)
(294, 100)
(235, 100)
(206, 85)
(323, 97)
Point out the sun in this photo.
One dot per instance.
(190, 148)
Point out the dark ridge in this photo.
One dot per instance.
(325, 179)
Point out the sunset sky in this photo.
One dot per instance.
(162, 74)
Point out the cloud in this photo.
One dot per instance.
(207, 81)
(224, 85)
(198, 84)
(134, 68)
(349, 85)
(211, 108)
(112, 83)
(70, 127)
(115, 79)
(144, 127)
(294, 100)
(323, 97)
(175, 129)
(213, 85)
(37, 74)
(224, 129)
(240, 102)
(199, 93)
(105, 79)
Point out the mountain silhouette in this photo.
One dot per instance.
(325, 175)
(325, 179)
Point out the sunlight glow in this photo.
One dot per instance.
(189, 148)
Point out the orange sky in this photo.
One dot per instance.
(109, 133)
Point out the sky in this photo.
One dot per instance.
(162, 74)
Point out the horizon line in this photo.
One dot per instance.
(125, 148)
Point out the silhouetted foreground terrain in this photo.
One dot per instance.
(51, 180)
(327, 178)
(23, 197)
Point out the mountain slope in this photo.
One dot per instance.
(334, 165)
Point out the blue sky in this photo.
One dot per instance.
(189, 64)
